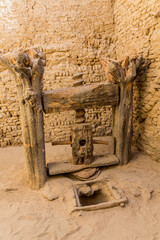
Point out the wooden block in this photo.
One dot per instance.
(82, 143)
(102, 149)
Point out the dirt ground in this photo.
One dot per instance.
(27, 215)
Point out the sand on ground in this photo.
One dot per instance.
(27, 215)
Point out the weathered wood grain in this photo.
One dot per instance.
(82, 143)
(123, 76)
(88, 96)
(122, 124)
(27, 68)
(56, 168)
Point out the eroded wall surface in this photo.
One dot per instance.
(137, 32)
(74, 35)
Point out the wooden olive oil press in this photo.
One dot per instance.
(28, 69)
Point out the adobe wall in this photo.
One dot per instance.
(74, 35)
(137, 31)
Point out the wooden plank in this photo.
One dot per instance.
(110, 204)
(56, 168)
(88, 96)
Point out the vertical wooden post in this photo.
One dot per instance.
(122, 113)
(28, 68)
(122, 124)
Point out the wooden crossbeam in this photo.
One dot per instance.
(70, 142)
(88, 96)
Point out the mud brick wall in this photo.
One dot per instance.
(74, 35)
(137, 31)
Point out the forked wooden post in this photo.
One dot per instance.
(122, 113)
(28, 68)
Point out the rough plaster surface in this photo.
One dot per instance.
(75, 35)
(137, 31)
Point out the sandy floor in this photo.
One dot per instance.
(27, 215)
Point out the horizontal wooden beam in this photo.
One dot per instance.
(88, 96)
(56, 168)
(70, 142)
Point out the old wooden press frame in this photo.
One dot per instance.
(28, 68)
